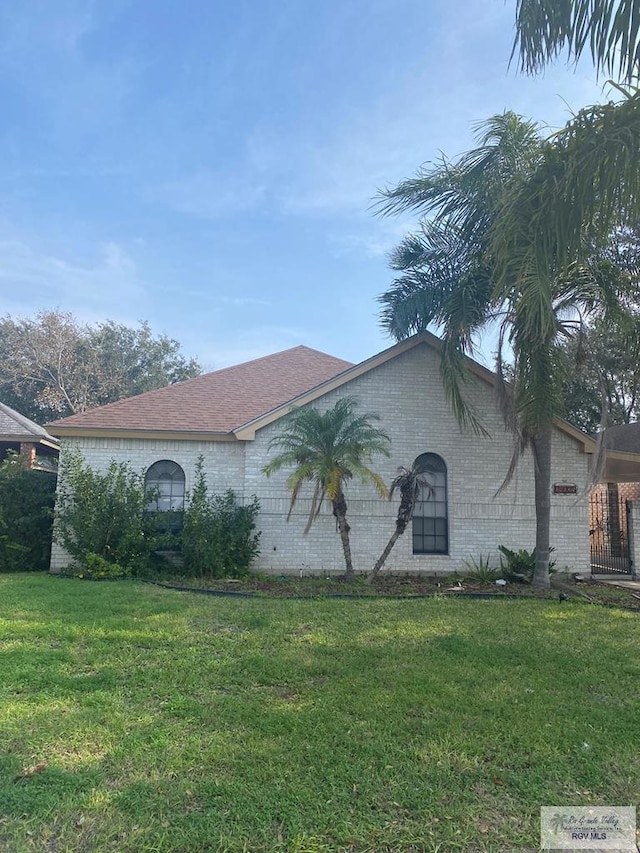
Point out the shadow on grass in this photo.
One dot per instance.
(168, 723)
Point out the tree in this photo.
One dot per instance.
(463, 273)
(589, 182)
(52, 366)
(408, 482)
(219, 538)
(607, 355)
(327, 449)
(596, 174)
(609, 30)
(99, 516)
(26, 516)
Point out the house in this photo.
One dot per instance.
(36, 447)
(231, 415)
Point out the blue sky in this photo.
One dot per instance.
(209, 166)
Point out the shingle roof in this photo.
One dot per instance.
(623, 437)
(15, 427)
(216, 402)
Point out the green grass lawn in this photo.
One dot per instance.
(134, 718)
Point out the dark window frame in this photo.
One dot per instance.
(166, 471)
(430, 524)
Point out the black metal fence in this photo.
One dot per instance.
(609, 533)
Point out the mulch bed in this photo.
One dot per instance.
(394, 586)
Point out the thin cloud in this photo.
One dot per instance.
(207, 195)
(254, 343)
(106, 286)
(376, 238)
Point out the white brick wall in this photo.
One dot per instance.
(224, 464)
(407, 393)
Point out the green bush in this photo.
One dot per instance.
(26, 517)
(98, 568)
(219, 538)
(102, 515)
(520, 565)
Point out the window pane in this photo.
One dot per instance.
(440, 510)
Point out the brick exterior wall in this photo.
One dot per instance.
(407, 393)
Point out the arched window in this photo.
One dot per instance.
(430, 517)
(167, 479)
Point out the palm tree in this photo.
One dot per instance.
(462, 273)
(608, 30)
(589, 180)
(408, 482)
(327, 449)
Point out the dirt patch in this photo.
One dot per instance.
(397, 586)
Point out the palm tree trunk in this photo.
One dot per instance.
(542, 478)
(382, 559)
(340, 512)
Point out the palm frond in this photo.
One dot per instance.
(586, 184)
(465, 194)
(608, 30)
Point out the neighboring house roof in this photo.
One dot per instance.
(621, 444)
(624, 438)
(237, 401)
(214, 403)
(15, 428)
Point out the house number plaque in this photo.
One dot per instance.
(565, 489)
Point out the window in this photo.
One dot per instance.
(430, 517)
(167, 478)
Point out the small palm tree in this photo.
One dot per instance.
(327, 450)
(408, 482)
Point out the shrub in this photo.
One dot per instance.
(102, 514)
(98, 568)
(520, 565)
(481, 570)
(26, 516)
(219, 538)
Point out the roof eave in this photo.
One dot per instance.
(123, 432)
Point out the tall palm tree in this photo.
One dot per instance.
(408, 482)
(461, 273)
(327, 449)
(608, 29)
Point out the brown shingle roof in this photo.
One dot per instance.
(216, 402)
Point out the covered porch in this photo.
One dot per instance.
(614, 506)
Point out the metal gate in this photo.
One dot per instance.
(609, 532)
